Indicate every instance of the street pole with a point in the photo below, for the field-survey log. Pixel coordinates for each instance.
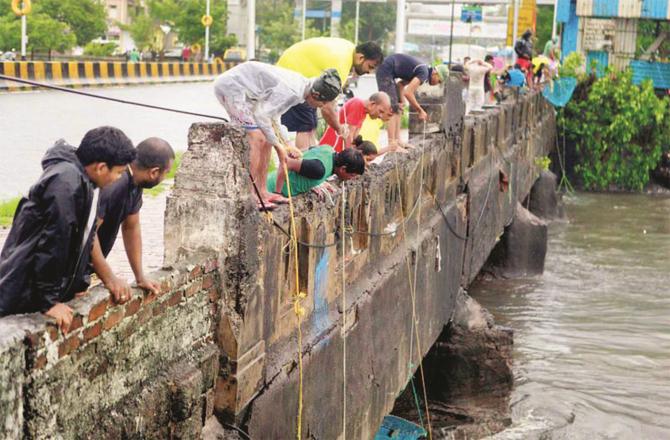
(207, 35)
(358, 14)
(553, 25)
(251, 29)
(335, 17)
(515, 32)
(451, 32)
(400, 27)
(24, 35)
(303, 19)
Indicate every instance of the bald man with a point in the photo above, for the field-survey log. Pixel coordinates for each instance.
(353, 114)
(119, 208)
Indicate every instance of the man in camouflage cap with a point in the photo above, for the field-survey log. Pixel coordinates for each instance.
(255, 95)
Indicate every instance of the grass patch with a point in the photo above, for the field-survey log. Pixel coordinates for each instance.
(169, 177)
(7, 209)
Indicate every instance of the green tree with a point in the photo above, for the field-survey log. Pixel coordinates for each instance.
(376, 21)
(142, 30)
(543, 26)
(619, 129)
(45, 33)
(184, 16)
(86, 18)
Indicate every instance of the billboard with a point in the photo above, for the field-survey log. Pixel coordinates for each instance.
(527, 19)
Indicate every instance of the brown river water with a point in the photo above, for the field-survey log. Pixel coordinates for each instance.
(592, 335)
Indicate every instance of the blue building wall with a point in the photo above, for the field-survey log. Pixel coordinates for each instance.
(605, 8)
(563, 11)
(570, 31)
(659, 73)
(656, 9)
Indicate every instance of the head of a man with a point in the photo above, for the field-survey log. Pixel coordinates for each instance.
(437, 74)
(325, 88)
(466, 60)
(105, 152)
(349, 163)
(379, 106)
(367, 57)
(488, 59)
(527, 35)
(154, 160)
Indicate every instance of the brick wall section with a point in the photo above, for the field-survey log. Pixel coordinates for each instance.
(70, 383)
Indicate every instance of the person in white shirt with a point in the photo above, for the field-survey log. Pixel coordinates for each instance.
(477, 70)
(255, 95)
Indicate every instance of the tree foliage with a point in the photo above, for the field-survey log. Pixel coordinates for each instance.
(86, 18)
(376, 21)
(620, 131)
(45, 33)
(184, 16)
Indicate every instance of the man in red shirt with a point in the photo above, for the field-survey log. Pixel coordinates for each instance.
(353, 114)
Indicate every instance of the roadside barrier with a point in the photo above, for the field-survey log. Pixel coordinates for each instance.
(104, 73)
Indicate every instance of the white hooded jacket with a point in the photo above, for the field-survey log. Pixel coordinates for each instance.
(270, 90)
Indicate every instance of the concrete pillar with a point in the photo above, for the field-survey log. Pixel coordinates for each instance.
(523, 247)
(212, 209)
(472, 358)
(543, 200)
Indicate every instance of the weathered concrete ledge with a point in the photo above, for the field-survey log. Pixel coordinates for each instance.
(222, 338)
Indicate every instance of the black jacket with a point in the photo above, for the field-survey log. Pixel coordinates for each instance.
(43, 262)
(524, 46)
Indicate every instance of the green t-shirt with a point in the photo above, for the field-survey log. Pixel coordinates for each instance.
(301, 184)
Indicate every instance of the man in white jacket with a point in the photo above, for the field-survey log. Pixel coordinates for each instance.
(255, 95)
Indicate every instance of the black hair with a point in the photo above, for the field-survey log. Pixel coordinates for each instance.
(367, 148)
(371, 51)
(488, 57)
(351, 159)
(154, 152)
(107, 145)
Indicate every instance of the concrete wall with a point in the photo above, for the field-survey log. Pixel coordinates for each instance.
(222, 338)
(104, 73)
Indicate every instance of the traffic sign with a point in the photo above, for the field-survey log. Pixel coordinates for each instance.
(471, 13)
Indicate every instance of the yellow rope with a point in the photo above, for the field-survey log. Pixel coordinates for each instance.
(412, 283)
(344, 322)
(297, 296)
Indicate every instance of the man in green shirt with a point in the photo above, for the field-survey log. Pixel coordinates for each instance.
(315, 166)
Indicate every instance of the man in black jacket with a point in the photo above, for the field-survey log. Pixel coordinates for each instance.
(45, 258)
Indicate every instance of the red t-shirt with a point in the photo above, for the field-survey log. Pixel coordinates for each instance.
(354, 109)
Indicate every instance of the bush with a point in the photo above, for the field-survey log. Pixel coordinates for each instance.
(619, 131)
(100, 49)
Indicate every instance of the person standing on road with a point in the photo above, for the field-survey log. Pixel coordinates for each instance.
(255, 95)
(310, 58)
(119, 208)
(44, 261)
(400, 76)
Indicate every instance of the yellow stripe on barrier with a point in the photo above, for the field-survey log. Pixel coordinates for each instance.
(196, 68)
(175, 69)
(40, 74)
(23, 70)
(154, 69)
(187, 69)
(165, 68)
(57, 71)
(88, 70)
(118, 71)
(205, 69)
(131, 70)
(9, 69)
(73, 70)
(143, 70)
(104, 70)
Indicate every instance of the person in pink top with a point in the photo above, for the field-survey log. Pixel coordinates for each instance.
(352, 116)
